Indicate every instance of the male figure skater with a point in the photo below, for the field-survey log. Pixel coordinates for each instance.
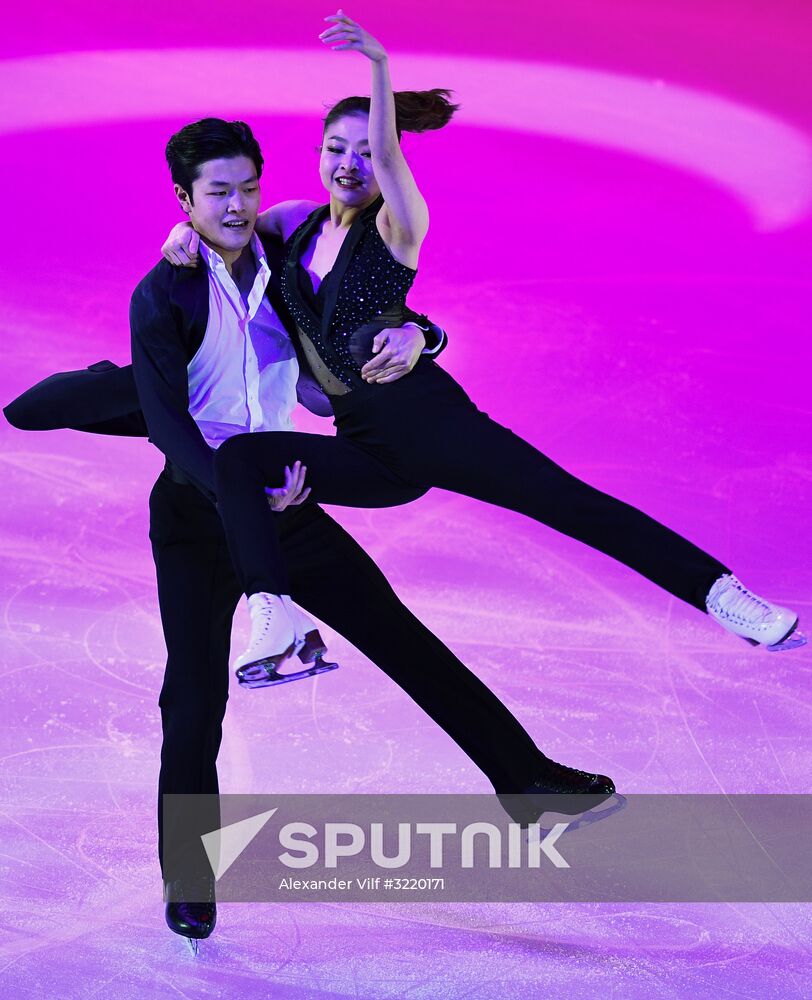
(211, 358)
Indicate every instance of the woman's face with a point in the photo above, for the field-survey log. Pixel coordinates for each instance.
(346, 162)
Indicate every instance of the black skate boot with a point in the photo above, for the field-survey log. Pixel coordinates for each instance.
(191, 910)
(559, 794)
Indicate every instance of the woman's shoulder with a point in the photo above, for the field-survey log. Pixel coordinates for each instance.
(291, 215)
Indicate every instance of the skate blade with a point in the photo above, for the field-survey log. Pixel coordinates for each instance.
(576, 821)
(260, 668)
(551, 808)
(793, 641)
(272, 677)
(194, 945)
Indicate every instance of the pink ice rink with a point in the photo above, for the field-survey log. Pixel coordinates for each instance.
(620, 252)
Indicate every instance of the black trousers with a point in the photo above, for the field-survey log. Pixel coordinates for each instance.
(334, 579)
(395, 441)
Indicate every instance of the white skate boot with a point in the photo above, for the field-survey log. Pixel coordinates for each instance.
(274, 638)
(754, 619)
(279, 631)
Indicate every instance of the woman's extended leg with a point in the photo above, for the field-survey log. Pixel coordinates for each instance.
(461, 450)
(471, 454)
(428, 433)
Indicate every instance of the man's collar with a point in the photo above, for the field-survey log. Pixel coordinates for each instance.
(215, 262)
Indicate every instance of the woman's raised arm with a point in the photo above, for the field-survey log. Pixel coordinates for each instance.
(405, 214)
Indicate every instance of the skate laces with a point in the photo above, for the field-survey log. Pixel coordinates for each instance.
(261, 609)
(729, 598)
(565, 769)
(267, 611)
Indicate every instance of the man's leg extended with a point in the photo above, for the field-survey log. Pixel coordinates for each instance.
(334, 579)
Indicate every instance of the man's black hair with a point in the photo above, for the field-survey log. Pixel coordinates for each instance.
(209, 139)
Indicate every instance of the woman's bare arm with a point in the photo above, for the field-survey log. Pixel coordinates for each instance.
(404, 219)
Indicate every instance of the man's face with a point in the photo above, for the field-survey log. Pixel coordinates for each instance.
(226, 203)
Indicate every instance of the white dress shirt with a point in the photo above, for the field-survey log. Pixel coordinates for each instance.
(243, 377)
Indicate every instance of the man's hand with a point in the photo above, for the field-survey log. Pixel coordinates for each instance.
(293, 492)
(180, 248)
(397, 353)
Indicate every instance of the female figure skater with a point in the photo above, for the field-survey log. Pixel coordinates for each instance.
(349, 264)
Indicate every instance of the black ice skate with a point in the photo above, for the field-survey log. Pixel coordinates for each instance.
(191, 910)
(561, 794)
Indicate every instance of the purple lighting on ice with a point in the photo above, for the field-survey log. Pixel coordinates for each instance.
(621, 251)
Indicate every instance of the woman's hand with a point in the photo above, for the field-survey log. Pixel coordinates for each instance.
(180, 248)
(293, 492)
(397, 352)
(351, 35)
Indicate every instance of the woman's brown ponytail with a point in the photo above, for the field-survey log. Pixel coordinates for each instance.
(415, 110)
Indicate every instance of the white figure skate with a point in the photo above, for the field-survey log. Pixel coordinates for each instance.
(279, 631)
(751, 617)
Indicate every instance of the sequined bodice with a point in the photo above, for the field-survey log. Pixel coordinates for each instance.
(365, 283)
